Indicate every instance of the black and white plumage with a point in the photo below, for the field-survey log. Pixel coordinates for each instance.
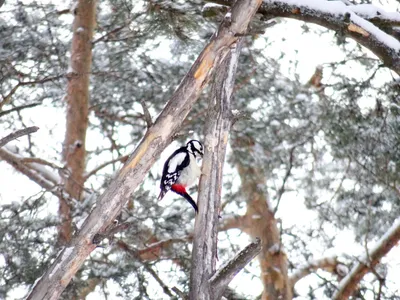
(181, 171)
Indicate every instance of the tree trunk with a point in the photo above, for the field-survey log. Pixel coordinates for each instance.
(74, 152)
(260, 222)
(204, 251)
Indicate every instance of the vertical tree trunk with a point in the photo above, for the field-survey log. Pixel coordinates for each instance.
(74, 152)
(260, 222)
(216, 138)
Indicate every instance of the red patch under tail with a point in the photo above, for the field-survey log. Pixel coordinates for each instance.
(178, 188)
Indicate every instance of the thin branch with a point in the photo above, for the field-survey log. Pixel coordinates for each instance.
(40, 161)
(220, 280)
(146, 113)
(17, 134)
(149, 269)
(7, 98)
(179, 293)
(17, 164)
(327, 264)
(163, 244)
(18, 108)
(382, 247)
(287, 175)
(94, 171)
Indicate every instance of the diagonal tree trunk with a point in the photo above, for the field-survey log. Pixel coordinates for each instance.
(74, 152)
(260, 222)
(159, 135)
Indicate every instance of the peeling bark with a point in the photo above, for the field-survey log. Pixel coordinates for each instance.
(110, 203)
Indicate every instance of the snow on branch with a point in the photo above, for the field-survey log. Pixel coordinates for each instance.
(366, 24)
(329, 264)
(368, 262)
(45, 180)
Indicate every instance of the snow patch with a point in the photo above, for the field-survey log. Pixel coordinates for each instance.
(212, 5)
(275, 248)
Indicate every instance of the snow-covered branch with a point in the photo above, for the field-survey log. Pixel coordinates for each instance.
(329, 264)
(366, 24)
(38, 174)
(368, 262)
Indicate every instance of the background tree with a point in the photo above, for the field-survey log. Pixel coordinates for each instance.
(330, 143)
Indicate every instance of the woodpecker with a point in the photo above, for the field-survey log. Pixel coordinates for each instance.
(181, 170)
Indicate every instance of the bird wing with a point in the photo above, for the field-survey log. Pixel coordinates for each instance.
(173, 168)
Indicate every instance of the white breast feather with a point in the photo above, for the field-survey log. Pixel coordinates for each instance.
(190, 174)
(176, 161)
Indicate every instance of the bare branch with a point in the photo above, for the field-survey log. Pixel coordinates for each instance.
(149, 269)
(179, 293)
(146, 113)
(383, 246)
(17, 134)
(287, 175)
(7, 98)
(94, 171)
(220, 280)
(18, 108)
(40, 161)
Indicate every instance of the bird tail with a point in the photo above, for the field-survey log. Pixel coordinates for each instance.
(181, 190)
(191, 201)
(162, 194)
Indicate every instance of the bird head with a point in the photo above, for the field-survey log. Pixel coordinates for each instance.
(195, 147)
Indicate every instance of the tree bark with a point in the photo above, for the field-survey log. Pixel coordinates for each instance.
(110, 203)
(260, 222)
(74, 152)
(219, 118)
